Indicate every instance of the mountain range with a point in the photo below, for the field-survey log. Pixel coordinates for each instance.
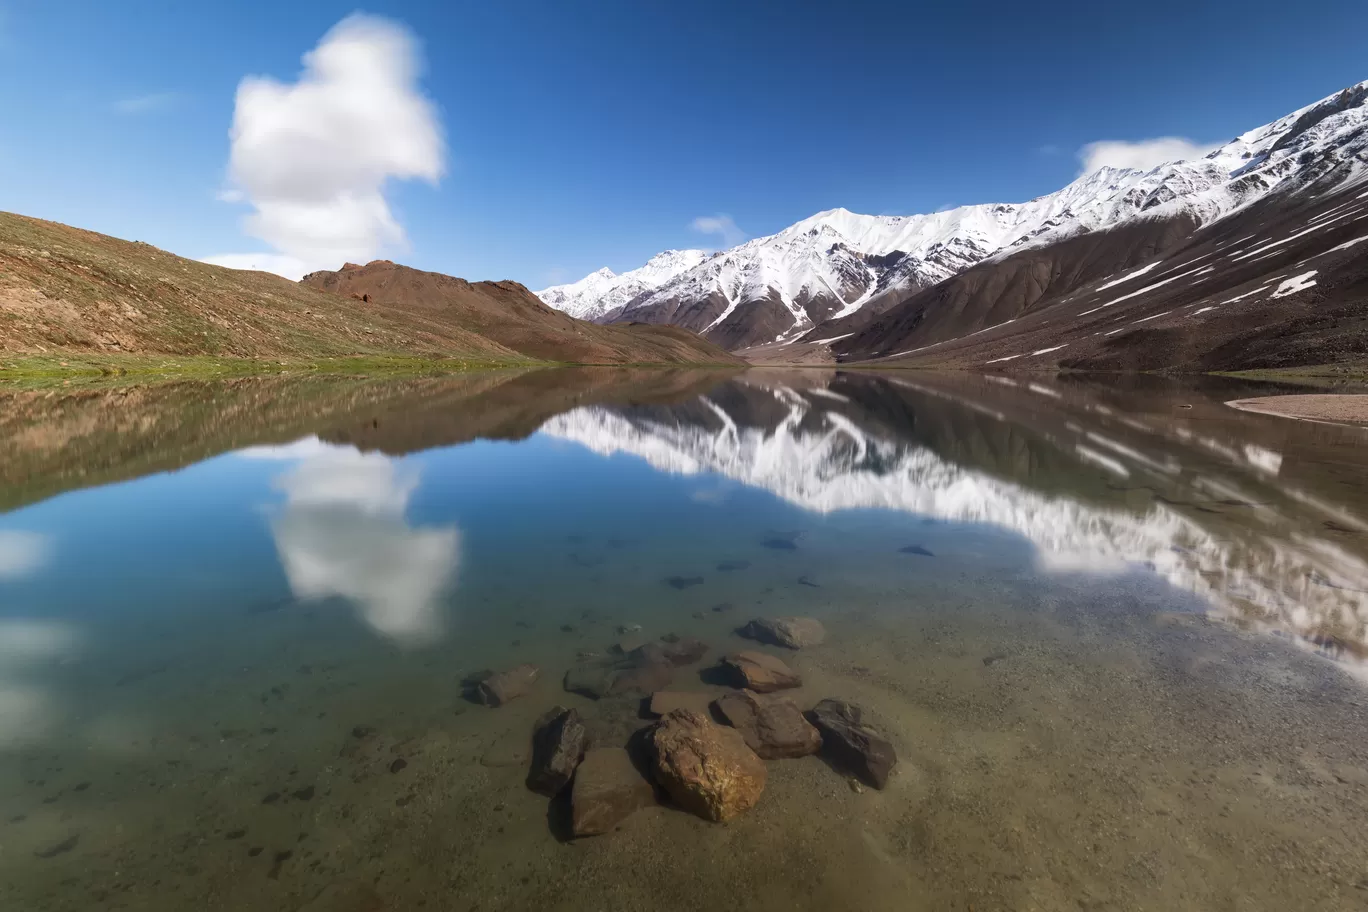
(861, 287)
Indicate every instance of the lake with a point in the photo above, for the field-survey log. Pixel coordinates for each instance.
(1114, 629)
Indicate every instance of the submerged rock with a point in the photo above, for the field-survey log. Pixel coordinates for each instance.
(676, 651)
(684, 582)
(642, 677)
(851, 744)
(607, 789)
(626, 645)
(760, 672)
(498, 689)
(664, 702)
(558, 743)
(706, 769)
(793, 632)
(591, 681)
(773, 727)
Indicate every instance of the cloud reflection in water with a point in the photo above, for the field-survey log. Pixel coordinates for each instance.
(342, 533)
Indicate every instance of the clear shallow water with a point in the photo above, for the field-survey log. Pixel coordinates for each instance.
(1128, 675)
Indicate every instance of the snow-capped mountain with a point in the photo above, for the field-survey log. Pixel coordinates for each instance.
(601, 294)
(837, 263)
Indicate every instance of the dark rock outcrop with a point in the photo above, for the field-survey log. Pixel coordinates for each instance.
(851, 744)
(558, 743)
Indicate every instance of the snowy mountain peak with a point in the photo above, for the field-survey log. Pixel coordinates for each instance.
(833, 263)
(600, 294)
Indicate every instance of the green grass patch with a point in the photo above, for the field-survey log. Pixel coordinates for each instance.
(1320, 376)
(35, 372)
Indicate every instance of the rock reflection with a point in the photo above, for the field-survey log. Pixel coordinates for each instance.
(342, 532)
(1098, 481)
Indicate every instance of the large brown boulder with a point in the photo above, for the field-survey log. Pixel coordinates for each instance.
(773, 727)
(607, 789)
(707, 769)
(498, 689)
(558, 743)
(760, 672)
(851, 744)
(793, 632)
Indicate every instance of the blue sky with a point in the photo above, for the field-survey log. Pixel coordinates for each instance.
(575, 134)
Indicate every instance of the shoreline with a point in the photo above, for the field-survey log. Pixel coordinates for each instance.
(1327, 408)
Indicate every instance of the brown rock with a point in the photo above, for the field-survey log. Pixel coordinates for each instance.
(607, 789)
(645, 678)
(558, 743)
(706, 768)
(793, 632)
(773, 727)
(685, 650)
(591, 680)
(851, 744)
(498, 689)
(665, 702)
(677, 651)
(760, 672)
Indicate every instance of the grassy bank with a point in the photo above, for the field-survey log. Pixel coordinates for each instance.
(32, 372)
(1321, 376)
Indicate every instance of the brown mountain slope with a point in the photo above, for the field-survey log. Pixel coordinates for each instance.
(513, 317)
(66, 291)
(63, 289)
(1282, 284)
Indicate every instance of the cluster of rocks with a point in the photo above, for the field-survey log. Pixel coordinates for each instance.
(689, 756)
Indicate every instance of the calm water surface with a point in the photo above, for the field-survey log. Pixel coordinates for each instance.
(1116, 633)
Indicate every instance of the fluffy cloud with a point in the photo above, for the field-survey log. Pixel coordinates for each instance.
(1142, 155)
(720, 225)
(290, 267)
(313, 157)
(342, 533)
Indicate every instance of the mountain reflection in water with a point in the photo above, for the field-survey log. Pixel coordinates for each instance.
(1099, 480)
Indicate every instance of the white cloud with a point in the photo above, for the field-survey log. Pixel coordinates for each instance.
(721, 225)
(313, 157)
(343, 534)
(1141, 155)
(147, 104)
(23, 553)
(290, 267)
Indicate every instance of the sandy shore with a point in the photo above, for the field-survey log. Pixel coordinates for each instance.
(1339, 408)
